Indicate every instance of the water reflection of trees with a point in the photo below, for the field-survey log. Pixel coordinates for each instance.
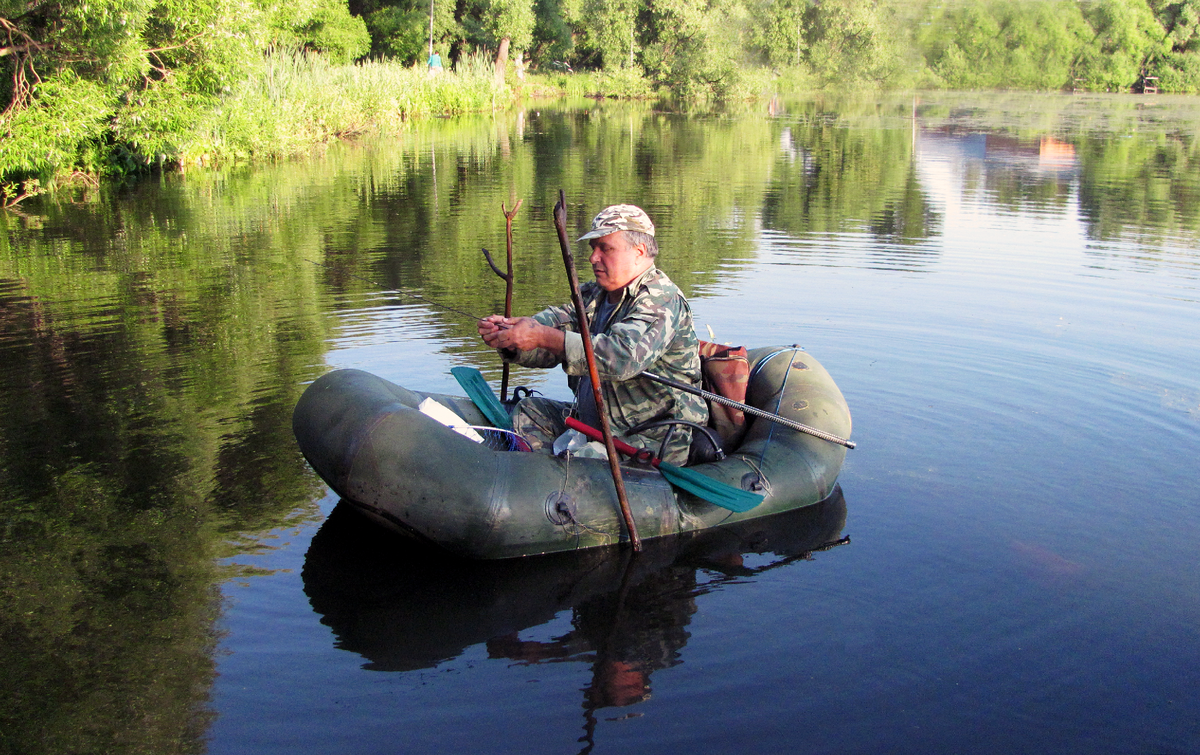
(1131, 160)
(834, 178)
(425, 205)
(151, 349)
(155, 340)
(691, 175)
(406, 608)
(1141, 188)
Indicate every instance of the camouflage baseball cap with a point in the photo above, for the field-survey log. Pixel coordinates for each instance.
(619, 217)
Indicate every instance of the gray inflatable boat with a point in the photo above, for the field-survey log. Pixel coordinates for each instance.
(365, 437)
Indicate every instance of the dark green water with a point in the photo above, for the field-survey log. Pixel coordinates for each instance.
(1007, 292)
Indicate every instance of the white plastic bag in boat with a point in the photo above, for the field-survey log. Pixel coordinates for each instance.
(577, 444)
(433, 409)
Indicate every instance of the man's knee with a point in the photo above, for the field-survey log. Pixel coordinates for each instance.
(540, 420)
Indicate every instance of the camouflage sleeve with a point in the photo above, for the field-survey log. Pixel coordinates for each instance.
(560, 317)
(632, 344)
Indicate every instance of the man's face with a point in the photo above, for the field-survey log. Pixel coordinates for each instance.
(616, 262)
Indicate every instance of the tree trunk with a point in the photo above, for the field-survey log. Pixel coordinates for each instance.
(501, 61)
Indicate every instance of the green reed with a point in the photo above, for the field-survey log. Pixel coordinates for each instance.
(295, 102)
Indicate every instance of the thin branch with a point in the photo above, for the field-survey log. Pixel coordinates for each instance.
(506, 277)
(168, 48)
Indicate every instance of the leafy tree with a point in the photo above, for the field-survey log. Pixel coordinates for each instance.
(851, 41)
(612, 32)
(77, 63)
(780, 31)
(1179, 68)
(553, 32)
(96, 83)
(1005, 44)
(399, 33)
(1181, 20)
(401, 30)
(692, 46)
(1127, 38)
(322, 25)
(499, 25)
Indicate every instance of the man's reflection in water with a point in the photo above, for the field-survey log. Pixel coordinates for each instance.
(404, 607)
(626, 635)
(630, 633)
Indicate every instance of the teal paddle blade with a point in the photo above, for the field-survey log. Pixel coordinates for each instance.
(715, 492)
(482, 395)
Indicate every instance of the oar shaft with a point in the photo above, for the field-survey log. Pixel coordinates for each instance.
(750, 410)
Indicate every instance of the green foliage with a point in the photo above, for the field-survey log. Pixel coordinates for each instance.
(331, 29)
(780, 31)
(694, 46)
(63, 115)
(298, 101)
(609, 33)
(1128, 37)
(400, 30)
(553, 34)
(399, 34)
(486, 22)
(1008, 43)
(510, 19)
(126, 85)
(1182, 23)
(1179, 72)
(851, 41)
(14, 193)
(622, 83)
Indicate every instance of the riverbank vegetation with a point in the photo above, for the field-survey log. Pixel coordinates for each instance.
(121, 86)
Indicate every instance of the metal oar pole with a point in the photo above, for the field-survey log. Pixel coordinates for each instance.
(614, 462)
(750, 410)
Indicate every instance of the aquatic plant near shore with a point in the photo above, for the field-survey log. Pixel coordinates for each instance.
(296, 102)
(287, 104)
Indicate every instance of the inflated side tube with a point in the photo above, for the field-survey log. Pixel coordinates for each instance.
(364, 436)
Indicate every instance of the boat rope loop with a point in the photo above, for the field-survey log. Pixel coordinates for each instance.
(783, 385)
(759, 482)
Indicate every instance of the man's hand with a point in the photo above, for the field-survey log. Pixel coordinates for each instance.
(520, 333)
(490, 326)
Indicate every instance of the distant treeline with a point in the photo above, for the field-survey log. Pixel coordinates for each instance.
(121, 85)
(701, 47)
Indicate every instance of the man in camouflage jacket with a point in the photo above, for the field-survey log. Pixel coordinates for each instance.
(640, 322)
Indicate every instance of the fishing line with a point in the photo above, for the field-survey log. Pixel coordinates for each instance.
(400, 292)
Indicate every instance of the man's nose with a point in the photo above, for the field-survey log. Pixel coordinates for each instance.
(594, 257)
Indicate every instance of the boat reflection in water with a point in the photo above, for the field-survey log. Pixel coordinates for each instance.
(405, 607)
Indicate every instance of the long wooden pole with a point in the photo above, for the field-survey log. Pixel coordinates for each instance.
(430, 30)
(614, 463)
(508, 279)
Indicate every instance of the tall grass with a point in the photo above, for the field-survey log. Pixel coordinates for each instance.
(296, 101)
